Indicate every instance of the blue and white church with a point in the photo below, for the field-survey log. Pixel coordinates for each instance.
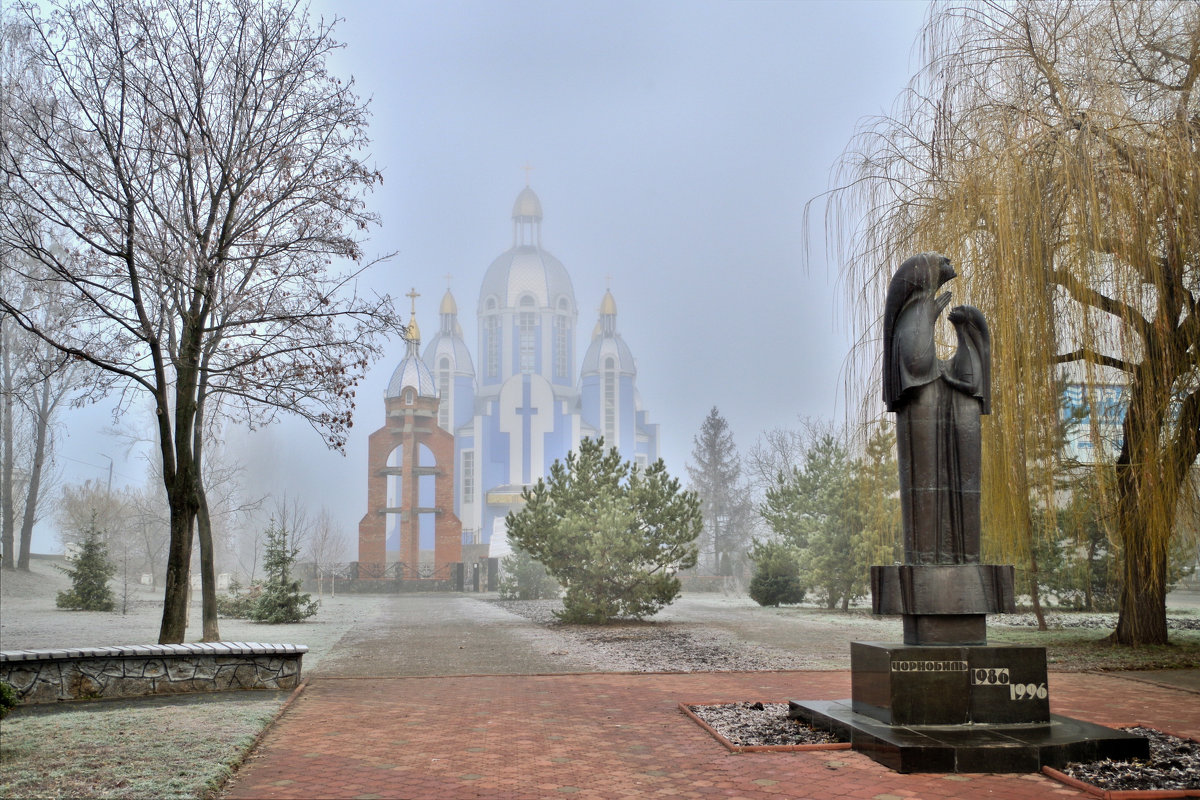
(526, 398)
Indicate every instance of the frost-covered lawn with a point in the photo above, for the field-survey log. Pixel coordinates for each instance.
(179, 747)
(153, 747)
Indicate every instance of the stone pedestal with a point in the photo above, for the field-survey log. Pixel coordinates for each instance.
(943, 603)
(901, 684)
(971, 748)
(959, 709)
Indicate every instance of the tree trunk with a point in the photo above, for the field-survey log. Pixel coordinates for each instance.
(181, 486)
(1149, 474)
(1034, 594)
(7, 455)
(179, 558)
(41, 432)
(208, 571)
(1142, 619)
(208, 575)
(1089, 600)
(1143, 616)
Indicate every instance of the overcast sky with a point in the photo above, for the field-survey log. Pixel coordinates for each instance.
(673, 145)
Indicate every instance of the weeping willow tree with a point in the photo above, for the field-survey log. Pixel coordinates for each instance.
(1052, 151)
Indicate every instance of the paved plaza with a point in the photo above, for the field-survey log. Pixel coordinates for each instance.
(404, 709)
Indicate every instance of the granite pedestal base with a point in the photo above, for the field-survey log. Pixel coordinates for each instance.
(900, 684)
(971, 748)
(960, 708)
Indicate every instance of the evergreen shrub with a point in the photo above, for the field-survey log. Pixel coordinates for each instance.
(776, 578)
(525, 578)
(281, 600)
(90, 571)
(8, 699)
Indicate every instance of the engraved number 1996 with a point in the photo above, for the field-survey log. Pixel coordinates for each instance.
(1027, 691)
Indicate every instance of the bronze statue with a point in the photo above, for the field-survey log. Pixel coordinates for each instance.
(938, 405)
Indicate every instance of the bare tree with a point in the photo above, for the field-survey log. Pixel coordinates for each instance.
(201, 168)
(1050, 150)
(290, 513)
(326, 546)
(36, 380)
(776, 451)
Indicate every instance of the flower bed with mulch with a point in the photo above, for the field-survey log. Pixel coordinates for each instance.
(1173, 769)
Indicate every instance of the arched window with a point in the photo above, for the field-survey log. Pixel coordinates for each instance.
(527, 330)
(610, 402)
(491, 338)
(562, 339)
(408, 397)
(444, 391)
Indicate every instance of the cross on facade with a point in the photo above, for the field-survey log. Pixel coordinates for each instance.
(527, 411)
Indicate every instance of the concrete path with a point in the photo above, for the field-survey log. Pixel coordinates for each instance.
(445, 634)
(442, 696)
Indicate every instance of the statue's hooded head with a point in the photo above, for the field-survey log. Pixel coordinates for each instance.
(914, 282)
(972, 362)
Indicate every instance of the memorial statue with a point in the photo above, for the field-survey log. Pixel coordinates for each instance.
(937, 405)
(944, 700)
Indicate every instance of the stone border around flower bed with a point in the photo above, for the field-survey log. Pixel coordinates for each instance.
(1124, 794)
(85, 673)
(758, 748)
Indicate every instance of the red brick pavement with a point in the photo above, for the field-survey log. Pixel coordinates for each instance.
(614, 736)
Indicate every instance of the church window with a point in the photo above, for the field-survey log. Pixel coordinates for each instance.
(492, 343)
(527, 326)
(444, 391)
(562, 344)
(468, 476)
(610, 402)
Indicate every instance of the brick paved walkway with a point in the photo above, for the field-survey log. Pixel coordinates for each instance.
(612, 736)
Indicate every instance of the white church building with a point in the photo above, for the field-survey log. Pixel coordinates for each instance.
(526, 397)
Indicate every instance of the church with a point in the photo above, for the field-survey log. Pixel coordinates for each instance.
(505, 414)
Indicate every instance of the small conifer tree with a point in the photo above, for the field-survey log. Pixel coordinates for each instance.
(776, 574)
(281, 599)
(89, 573)
(525, 578)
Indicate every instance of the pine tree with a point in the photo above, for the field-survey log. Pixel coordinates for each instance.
(715, 471)
(610, 533)
(840, 512)
(281, 599)
(89, 573)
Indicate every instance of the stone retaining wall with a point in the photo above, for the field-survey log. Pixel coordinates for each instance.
(49, 676)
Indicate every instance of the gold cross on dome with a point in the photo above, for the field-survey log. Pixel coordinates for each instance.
(528, 168)
(413, 295)
(447, 276)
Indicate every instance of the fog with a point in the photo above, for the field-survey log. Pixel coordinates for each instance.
(673, 145)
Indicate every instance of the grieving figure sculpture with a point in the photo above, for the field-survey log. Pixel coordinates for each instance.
(938, 405)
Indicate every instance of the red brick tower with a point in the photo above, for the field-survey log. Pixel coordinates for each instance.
(410, 477)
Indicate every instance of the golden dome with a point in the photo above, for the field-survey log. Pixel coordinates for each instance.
(608, 305)
(448, 304)
(414, 332)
